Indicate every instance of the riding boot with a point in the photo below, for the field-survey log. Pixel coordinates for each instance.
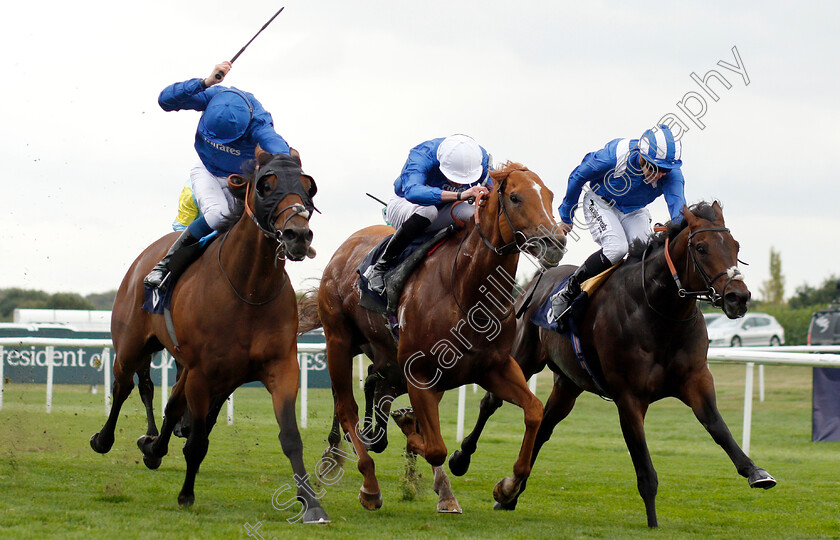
(407, 232)
(161, 271)
(594, 265)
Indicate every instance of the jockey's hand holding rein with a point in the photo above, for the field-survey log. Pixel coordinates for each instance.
(222, 68)
(475, 191)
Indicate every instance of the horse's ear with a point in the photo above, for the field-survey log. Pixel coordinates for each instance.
(313, 187)
(259, 152)
(718, 211)
(295, 155)
(690, 218)
(237, 184)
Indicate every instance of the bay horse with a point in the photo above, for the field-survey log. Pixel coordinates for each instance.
(644, 339)
(234, 321)
(455, 325)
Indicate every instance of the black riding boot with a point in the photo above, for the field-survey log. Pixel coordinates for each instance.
(594, 265)
(162, 269)
(407, 232)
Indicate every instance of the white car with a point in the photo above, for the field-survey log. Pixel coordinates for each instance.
(712, 316)
(751, 329)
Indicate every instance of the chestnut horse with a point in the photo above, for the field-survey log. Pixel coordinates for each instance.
(453, 328)
(644, 339)
(234, 317)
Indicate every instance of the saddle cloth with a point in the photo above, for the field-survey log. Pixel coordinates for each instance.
(396, 277)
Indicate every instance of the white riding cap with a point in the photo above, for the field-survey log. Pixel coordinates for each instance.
(460, 159)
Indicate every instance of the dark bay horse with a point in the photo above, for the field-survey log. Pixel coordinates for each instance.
(645, 340)
(455, 323)
(235, 321)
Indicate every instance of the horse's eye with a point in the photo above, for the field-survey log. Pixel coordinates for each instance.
(514, 198)
(701, 249)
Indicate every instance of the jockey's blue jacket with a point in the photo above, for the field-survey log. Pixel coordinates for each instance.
(224, 159)
(421, 181)
(614, 173)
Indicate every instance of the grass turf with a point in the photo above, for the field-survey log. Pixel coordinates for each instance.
(583, 486)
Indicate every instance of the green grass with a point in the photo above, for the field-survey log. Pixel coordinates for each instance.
(583, 486)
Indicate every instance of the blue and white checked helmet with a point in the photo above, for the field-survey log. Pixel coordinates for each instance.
(658, 146)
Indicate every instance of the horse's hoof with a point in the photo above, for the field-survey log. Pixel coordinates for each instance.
(143, 443)
(449, 506)
(315, 515)
(185, 500)
(380, 445)
(99, 445)
(509, 506)
(151, 462)
(459, 463)
(760, 478)
(505, 491)
(370, 501)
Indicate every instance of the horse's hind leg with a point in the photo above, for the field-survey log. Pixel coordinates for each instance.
(147, 395)
(558, 406)
(699, 394)
(631, 414)
(154, 448)
(124, 369)
(283, 385)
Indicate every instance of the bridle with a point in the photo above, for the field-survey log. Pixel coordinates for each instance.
(512, 246)
(263, 216)
(508, 248)
(710, 294)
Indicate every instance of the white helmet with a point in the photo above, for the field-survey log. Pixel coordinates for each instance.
(460, 159)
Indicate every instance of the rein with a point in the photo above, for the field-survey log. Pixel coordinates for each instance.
(508, 248)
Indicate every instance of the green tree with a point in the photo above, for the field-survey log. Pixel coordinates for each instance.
(807, 296)
(773, 290)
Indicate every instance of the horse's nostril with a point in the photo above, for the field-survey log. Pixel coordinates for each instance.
(290, 235)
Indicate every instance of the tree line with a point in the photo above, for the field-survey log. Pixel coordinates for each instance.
(35, 299)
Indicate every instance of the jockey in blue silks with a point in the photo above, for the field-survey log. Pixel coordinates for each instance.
(231, 126)
(436, 174)
(623, 178)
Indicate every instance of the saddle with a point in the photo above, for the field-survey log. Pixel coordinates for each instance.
(396, 277)
(156, 301)
(569, 326)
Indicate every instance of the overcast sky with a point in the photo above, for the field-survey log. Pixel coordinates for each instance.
(92, 167)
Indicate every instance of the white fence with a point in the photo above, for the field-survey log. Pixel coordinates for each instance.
(804, 355)
(304, 349)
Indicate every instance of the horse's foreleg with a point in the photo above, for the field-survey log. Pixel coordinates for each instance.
(424, 438)
(123, 384)
(198, 403)
(283, 385)
(558, 406)
(340, 365)
(631, 413)
(508, 383)
(459, 461)
(147, 395)
(699, 394)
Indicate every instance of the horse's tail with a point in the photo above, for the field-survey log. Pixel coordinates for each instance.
(308, 318)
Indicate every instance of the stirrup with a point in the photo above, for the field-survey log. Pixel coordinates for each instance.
(558, 301)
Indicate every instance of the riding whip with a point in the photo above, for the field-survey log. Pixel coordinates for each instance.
(219, 75)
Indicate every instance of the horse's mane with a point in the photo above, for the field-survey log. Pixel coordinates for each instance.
(638, 248)
(505, 170)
